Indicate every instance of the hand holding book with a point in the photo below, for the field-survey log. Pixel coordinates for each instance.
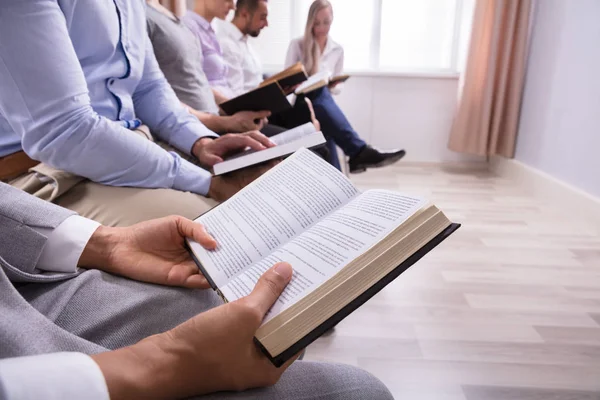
(344, 245)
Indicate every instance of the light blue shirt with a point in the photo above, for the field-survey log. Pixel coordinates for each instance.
(74, 76)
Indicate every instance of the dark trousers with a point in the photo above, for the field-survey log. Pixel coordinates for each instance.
(335, 126)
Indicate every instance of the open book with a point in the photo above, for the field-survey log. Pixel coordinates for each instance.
(303, 136)
(344, 246)
(289, 77)
(319, 80)
(265, 98)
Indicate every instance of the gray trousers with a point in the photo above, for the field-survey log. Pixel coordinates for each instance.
(111, 312)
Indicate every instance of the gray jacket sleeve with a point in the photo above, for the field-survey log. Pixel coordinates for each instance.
(20, 244)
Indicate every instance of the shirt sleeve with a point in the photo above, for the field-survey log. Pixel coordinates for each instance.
(49, 107)
(158, 106)
(54, 376)
(339, 65)
(65, 244)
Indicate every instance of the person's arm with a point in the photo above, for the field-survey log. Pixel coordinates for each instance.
(157, 105)
(45, 100)
(52, 376)
(337, 70)
(220, 98)
(240, 122)
(218, 344)
(294, 54)
(42, 242)
(339, 65)
(234, 61)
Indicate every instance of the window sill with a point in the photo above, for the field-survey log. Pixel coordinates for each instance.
(369, 73)
(404, 74)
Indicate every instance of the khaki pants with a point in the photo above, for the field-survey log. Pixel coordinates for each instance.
(110, 205)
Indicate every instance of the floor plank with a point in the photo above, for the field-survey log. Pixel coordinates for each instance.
(507, 308)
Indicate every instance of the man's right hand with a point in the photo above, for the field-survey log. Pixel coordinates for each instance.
(214, 351)
(245, 121)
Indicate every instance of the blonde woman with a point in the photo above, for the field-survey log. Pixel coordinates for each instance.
(316, 49)
(319, 53)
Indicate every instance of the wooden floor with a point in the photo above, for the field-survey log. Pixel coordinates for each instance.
(507, 308)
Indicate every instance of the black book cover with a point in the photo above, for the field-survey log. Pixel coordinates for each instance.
(266, 98)
(300, 345)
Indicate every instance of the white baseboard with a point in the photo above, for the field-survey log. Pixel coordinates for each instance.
(547, 187)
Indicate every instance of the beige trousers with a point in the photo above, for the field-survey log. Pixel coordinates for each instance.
(110, 205)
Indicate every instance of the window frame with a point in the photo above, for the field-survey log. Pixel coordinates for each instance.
(374, 69)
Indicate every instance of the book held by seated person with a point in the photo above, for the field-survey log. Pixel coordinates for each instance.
(343, 245)
(265, 98)
(289, 77)
(303, 136)
(319, 80)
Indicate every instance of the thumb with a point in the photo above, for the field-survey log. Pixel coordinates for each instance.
(210, 160)
(269, 287)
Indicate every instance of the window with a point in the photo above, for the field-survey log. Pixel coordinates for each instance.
(378, 35)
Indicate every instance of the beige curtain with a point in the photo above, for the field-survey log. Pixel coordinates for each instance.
(487, 118)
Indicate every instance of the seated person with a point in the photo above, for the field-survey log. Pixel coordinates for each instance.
(245, 72)
(216, 69)
(101, 332)
(179, 57)
(77, 81)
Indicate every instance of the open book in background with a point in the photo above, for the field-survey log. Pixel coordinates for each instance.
(289, 77)
(319, 80)
(344, 246)
(265, 98)
(303, 136)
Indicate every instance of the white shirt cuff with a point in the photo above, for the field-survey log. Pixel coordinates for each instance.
(54, 376)
(65, 244)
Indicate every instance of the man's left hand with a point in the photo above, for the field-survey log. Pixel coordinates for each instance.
(212, 151)
(152, 251)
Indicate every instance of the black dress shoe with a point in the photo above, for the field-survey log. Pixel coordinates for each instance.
(373, 158)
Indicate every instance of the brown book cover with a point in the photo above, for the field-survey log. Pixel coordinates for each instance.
(289, 77)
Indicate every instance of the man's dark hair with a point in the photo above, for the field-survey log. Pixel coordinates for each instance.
(250, 5)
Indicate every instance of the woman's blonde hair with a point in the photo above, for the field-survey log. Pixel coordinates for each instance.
(310, 48)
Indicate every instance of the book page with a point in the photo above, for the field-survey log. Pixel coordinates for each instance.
(281, 138)
(331, 244)
(270, 212)
(283, 149)
(293, 134)
(317, 78)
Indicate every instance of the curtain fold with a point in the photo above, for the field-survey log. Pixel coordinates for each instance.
(487, 118)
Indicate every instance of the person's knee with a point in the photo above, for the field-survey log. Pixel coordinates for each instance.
(125, 206)
(364, 385)
(331, 382)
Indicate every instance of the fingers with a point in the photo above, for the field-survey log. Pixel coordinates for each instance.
(231, 142)
(262, 139)
(195, 231)
(211, 159)
(197, 281)
(269, 287)
(187, 275)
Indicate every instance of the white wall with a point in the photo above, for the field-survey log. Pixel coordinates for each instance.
(410, 112)
(560, 123)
